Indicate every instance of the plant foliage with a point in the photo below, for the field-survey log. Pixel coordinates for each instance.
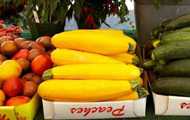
(88, 13)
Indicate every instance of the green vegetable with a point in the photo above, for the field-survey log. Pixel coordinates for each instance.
(186, 29)
(178, 68)
(170, 25)
(172, 51)
(177, 86)
(149, 64)
(175, 37)
(179, 22)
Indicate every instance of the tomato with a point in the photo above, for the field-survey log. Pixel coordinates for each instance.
(41, 63)
(23, 53)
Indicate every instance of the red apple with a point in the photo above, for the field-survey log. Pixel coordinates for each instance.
(13, 87)
(18, 100)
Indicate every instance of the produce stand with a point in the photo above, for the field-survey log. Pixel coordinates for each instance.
(95, 71)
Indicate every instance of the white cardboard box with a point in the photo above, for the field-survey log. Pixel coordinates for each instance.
(171, 105)
(94, 110)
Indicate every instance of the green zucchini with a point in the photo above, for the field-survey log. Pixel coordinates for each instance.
(179, 22)
(178, 68)
(185, 29)
(172, 51)
(176, 86)
(175, 37)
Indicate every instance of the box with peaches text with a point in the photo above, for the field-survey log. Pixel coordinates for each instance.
(94, 110)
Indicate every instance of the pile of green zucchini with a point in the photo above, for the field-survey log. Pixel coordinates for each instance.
(170, 58)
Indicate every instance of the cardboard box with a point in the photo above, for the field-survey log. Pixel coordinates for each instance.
(171, 105)
(22, 112)
(94, 110)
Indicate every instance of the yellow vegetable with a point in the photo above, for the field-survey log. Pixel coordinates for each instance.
(127, 58)
(102, 31)
(95, 42)
(132, 96)
(113, 32)
(83, 90)
(93, 71)
(67, 56)
(9, 69)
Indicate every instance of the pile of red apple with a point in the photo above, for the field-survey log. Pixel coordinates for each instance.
(34, 59)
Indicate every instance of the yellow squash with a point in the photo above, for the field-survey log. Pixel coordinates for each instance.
(68, 56)
(95, 42)
(127, 58)
(83, 90)
(93, 71)
(119, 33)
(112, 32)
(132, 96)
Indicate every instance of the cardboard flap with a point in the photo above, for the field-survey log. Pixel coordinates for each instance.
(171, 105)
(48, 108)
(138, 111)
(161, 103)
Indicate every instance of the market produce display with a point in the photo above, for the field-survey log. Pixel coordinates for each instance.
(22, 64)
(92, 67)
(171, 58)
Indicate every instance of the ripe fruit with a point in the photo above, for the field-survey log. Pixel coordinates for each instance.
(1, 103)
(41, 63)
(18, 100)
(5, 38)
(29, 88)
(8, 48)
(13, 87)
(9, 69)
(34, 53)
(45, 41)
(2, 97)
(35, 45)
(23, 53)
(37, 79)
(32, 77)
(28, 76)
(18, 41)
(2, 58)
(24, 45)
(24, 63)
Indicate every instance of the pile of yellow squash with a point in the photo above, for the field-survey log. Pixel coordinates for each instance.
(92, 66)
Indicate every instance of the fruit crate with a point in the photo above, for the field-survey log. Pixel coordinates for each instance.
(171, 105)
(22, 112)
